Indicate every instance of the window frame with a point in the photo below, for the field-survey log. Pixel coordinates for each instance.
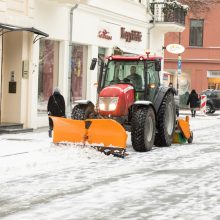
(195, 38)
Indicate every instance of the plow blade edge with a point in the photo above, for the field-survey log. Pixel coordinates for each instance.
(103, 133)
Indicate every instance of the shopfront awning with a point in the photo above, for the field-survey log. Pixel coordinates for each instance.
(9, 28)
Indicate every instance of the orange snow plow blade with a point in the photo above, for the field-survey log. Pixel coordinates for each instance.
(106, 135)
(182, 133)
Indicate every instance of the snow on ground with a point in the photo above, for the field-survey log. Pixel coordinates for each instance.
(42, 181)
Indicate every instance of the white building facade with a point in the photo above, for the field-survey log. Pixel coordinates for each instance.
(78, 31)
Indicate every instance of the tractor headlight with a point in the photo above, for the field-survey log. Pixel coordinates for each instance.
(108, 103)
(101, 104)
(113, 104)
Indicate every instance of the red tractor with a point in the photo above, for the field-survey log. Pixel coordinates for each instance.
(130, 98)
(130, 93)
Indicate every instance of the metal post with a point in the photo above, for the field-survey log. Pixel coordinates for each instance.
(178, 72)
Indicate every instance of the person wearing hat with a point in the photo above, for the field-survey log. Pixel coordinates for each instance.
(55, 107)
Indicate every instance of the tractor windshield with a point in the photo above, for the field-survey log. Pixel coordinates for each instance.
(125, 72)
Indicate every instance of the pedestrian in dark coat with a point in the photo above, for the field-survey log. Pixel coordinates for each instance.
(193, 102)
(55, 107)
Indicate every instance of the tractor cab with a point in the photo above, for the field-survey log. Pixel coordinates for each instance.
(140, 72)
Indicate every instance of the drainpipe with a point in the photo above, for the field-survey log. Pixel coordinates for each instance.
(69, 101)
(150, 28)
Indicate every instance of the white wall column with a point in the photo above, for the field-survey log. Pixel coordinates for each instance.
(92, 80)
(63, 69)
(33, 100)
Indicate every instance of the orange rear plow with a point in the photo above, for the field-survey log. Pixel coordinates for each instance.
(106, 135)
(182, 133)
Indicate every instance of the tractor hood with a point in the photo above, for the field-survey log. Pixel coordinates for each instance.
(115, 100)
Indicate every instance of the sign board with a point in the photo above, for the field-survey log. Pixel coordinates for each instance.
(175, 48)
(25, 68)
(179, 66)
(12, 87)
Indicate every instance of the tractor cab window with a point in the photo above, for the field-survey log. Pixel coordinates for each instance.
(152, 75)
(123, 72)
(153, 80)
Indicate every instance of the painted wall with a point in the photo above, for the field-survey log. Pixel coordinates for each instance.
(12, 52)
(196, 61)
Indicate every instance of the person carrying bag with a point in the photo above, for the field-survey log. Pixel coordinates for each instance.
(193, 102)
(55, 107)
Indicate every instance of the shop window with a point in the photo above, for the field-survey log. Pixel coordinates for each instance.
(48, 72)
(212, 85)
(196, 32)
(78, 75)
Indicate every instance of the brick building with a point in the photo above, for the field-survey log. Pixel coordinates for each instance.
(200, 67)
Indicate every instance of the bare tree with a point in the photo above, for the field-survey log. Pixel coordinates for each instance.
(199, 6)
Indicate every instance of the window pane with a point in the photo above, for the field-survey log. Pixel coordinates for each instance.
(48, 72)
(196, 32)
(79, 54)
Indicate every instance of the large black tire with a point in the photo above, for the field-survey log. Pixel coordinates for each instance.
(208, 108)
(166, 121)
(213, 111)
(82, 112)
(143, 127)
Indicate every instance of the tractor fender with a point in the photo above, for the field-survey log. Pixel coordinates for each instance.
(160, 95)
(83, 102)
(82, 109)
(143, 103)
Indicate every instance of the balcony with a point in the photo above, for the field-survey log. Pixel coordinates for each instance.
(169, 16)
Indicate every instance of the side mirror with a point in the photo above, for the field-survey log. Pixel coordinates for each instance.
(157, 65)
(93, 64)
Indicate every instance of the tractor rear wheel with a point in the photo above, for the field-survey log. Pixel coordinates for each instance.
(82, 112)
(143, 126)
(166, 121)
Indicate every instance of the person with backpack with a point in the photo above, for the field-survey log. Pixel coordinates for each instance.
(55, 107)
(193, 102)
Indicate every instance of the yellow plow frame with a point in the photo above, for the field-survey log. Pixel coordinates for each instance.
(106, 135)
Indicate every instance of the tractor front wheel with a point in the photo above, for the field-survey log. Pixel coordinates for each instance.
(143, 126)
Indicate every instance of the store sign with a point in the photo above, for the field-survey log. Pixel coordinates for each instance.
(213, 74)
(131, 35)
(175, 48)
(104, 34)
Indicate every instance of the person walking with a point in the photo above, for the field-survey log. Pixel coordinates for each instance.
(193, 101)
(55, 107)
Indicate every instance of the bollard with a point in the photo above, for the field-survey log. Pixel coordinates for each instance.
(203, 104)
